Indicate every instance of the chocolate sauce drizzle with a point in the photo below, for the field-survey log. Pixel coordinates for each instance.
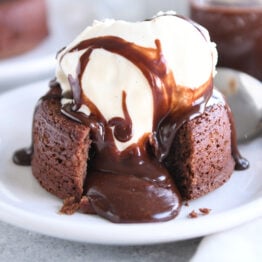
(122, 126)
(23, 157)
(137, 174)
(171, 108)
(134, 185)
(240, 162)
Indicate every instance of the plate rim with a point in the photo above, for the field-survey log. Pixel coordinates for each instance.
(152, 233)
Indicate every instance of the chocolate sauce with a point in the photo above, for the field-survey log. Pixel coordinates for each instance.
(171, 108)
(122, 126)
(237, 31)
(132, 186)
(137, 174)
(23, 157)
(240, 162)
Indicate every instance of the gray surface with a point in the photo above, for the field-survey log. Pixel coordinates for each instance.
(20, 245)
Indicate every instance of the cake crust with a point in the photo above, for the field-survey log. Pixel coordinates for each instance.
(201, 159)
(60, 149)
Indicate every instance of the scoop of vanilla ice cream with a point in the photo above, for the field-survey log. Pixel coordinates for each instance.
(187, 51)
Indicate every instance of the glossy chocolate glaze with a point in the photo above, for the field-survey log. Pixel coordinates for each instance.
(241, 163)
(173, 104)
(23, 157)
(237, 31)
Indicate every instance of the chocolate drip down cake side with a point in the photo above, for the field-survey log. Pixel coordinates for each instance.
(131, 125)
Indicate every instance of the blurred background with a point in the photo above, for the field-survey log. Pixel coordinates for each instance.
(65, 20)
(75, 15)
(237, 32)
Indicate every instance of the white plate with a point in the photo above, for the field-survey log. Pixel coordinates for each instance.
(25, 204)
(36, 64)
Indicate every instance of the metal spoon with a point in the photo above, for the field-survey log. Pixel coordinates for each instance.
(244, 96)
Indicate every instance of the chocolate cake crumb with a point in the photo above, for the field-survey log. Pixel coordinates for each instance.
(186, 204)
(193, 214)
(70, 206)
(205, 211)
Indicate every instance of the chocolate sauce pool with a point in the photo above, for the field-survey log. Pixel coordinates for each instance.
(134, 185)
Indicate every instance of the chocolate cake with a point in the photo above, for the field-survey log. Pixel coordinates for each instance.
(93, 148)
(201, 157)
(23, 25)
(60, 149)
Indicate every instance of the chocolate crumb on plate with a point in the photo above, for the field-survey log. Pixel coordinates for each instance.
(193, 214)
(205, 211)
(70, 206)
